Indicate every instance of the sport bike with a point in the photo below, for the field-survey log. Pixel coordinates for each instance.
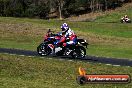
(48, 46)
(125, 20)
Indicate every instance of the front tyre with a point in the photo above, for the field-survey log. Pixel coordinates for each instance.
(79, 52)
(121, 21)
(43, 50)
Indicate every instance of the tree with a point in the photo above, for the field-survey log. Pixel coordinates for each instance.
(60, 6)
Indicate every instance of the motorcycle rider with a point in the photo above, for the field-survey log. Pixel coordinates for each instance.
(67, 33)
(125, 18)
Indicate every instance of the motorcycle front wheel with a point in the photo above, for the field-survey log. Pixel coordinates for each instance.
(43, 50)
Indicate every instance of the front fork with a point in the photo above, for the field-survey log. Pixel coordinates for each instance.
(51, 46)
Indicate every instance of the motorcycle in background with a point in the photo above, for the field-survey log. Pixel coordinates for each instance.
(125, 20)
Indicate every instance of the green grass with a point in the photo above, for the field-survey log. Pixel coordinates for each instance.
(35, 72)
(117, 51)
(111, 29)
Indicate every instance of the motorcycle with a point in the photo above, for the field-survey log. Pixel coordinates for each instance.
(48, 46)
(125, 20)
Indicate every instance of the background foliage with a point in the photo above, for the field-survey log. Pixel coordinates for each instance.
(50, 8)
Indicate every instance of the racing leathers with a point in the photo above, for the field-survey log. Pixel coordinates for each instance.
(72, 38)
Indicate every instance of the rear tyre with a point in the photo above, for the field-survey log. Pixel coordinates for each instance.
(43, 50)
(121, 21)
(79, 52)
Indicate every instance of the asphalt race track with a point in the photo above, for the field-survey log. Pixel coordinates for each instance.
(108, 61)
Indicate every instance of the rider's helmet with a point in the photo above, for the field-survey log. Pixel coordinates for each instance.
(64, 27)
(125, 16)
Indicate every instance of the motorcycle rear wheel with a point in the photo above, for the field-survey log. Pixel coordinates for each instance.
(79, 52)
